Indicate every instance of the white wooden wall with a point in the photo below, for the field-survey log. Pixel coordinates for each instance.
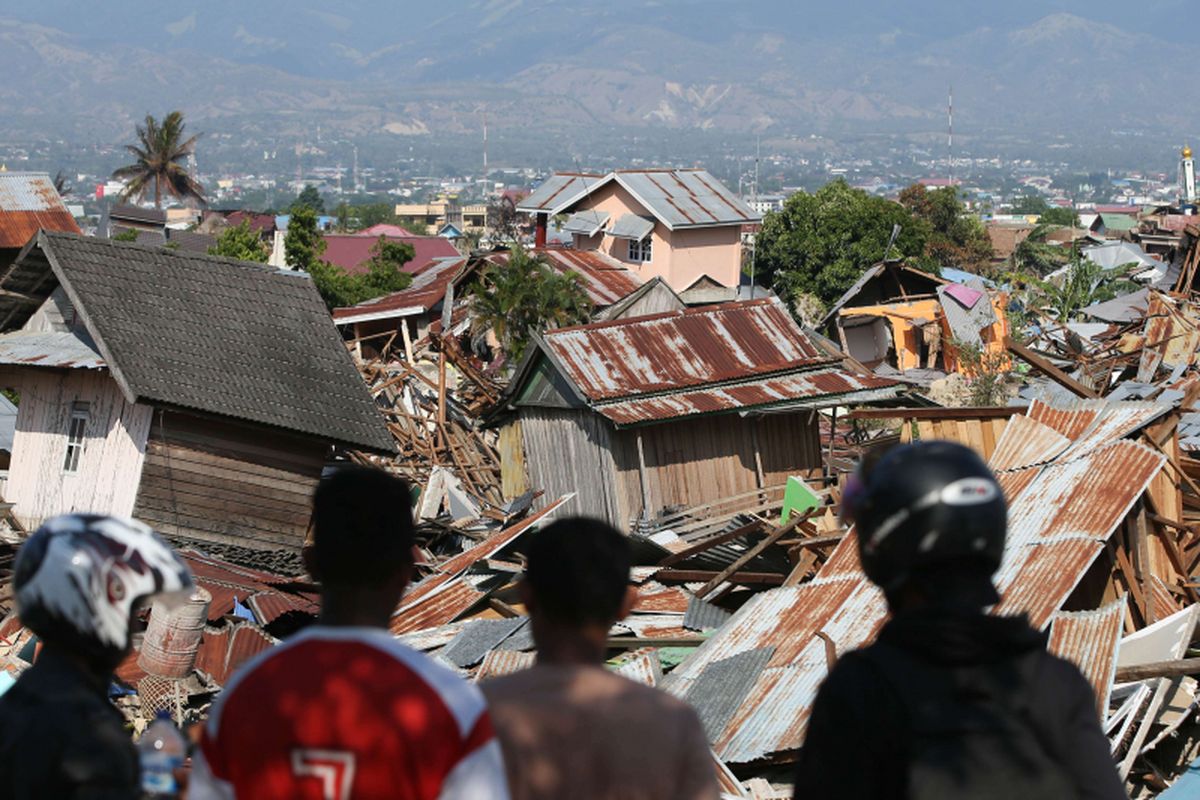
(114, 449)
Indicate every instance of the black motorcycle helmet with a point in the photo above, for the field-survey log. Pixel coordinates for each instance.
(929, 508)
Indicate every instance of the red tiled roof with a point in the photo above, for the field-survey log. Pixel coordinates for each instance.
(352, 251)
(258, 222)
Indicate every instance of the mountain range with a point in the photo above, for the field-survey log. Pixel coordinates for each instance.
(769, 66)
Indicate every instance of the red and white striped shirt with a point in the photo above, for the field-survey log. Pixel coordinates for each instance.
(347, 714)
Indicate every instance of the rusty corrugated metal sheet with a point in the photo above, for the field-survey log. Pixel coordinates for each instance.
(642, 666)
(426, 291)
(1070, 419)
(654, 597)
(438, 608)
(605, 279)
(28, 203)
(1026, 442)
(679, 349)
(270, 606)
(214, 648)
(245, 643)
(1041, 575)
(48, 349)
(780, 391)
(1089, 640)
(504, 662)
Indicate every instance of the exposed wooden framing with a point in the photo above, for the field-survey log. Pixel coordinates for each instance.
(407, 339)
(746, 557)
(643, 478)
(1129, 576)
(1159, 669)
(1141, 551)
(1051, 371)
(708, 544)
(937, 413)
(637, 642)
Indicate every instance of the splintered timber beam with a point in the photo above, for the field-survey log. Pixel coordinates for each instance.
(1158, 669)
(1051, 371)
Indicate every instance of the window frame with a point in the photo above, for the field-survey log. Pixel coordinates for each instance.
(76, 436)
(640, 251)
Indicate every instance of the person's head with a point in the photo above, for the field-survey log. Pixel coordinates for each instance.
(931, 521)
(80, 578)
(362, 535)
(577, 578)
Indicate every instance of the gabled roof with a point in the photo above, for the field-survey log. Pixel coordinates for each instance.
(426, 291)
(202, 333)
(149, 216)
(725, 358)
(29, 202)
(926, 281)
(351, 251)
(678, 198)
(605, 279)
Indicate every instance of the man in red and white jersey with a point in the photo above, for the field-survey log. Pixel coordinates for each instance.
(342, 711)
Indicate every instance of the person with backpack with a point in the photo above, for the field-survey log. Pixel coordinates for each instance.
(949, 701)
(78, 580)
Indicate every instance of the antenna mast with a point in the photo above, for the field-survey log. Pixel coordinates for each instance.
(950, 134)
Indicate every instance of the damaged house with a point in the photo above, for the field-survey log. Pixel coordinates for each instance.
(200, 394)
(673, 409)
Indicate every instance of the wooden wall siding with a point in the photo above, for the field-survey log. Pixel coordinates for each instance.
(980, 435)
(694, 461)
(113, 451)
(571, 451)
(227, 483)
(513, 475)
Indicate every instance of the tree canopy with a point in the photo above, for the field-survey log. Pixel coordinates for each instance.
(1060, 216)
(385, 269)
(1030, 204)
(303, 245)
(956, 238)
(160, 159)
(241, 242)
(526, 294)
(309, 198)
(820, 243)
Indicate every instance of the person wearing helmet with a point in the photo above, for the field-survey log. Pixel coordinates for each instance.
(948, 701)
(78, 580)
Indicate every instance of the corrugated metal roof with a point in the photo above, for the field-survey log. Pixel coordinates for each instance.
(679, 198)
(270, 606)
(631, 226)
(586, 223)
(437, 609)
(799, 390)
(678, 349)
(722, 686)
(605, 279)
(493, 544)
(655, 598)
(28, 203)
(245, 643)
(1089, 640)
(1026, 442)
(426, 291)
(504, 662)
(643, 666)
(702, 616)
(61, 349)
(965, 323)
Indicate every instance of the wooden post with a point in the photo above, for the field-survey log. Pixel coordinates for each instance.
(1141, 548)
(408, 347)
(1051, 371)
(643, 478)
(441, 407)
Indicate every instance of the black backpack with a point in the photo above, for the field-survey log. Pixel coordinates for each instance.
(971, 734)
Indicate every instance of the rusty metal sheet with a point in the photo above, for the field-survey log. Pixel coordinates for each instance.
(438, 608)
(558, 191)
(432, 638)
(1070, 419)
(605, 279)
(833, 386)
(245, 643)
(58, 349)
(1026, 442)
(680, 349)
(214, 648)
(504, 662)
(643, 666)
(426, 291)
(28, 203)
(653, 597)
(270, 606)
(1089, 640)
(1038, 577)
(686, 198)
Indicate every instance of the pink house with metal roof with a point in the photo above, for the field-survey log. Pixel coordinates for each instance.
(681, 225)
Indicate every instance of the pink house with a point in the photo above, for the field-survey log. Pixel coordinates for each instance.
(681, 225)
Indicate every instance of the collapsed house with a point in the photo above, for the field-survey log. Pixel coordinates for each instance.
(200, 394)
(640, 415)
(910, 324)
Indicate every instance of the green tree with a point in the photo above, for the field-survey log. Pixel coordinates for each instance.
(1036, 256)
(125, 235)
(368, 214)
(821, 243)
(310, 198)
(956, 238)
(1065, 217)
(384, 275)
(1083, 282)
(241, 242)
(523, 295)
(303, 245)
(160, 158)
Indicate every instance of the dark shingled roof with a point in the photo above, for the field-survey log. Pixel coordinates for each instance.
(210, 334)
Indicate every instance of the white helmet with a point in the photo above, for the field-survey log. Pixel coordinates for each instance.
(79, 577)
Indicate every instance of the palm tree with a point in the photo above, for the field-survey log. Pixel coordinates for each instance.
(161, 153)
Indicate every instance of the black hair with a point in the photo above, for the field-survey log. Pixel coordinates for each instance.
(362, 526)
(578, 570)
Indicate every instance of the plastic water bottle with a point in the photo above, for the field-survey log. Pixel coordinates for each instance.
(161, 750)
